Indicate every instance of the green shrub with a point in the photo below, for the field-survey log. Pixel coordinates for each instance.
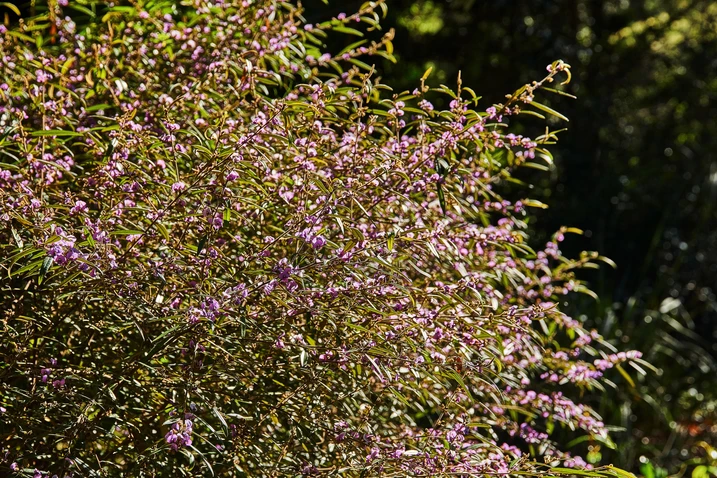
(225, 250)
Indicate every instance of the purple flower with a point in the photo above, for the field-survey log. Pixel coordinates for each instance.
(180, 434)
(318, 242)
(217, 221)
(425, 105)
(375, 452)
(42, 76)
(80, 206)
(284, 269)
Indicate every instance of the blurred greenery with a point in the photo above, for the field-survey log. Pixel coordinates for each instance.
(638, 156)
(636, 170)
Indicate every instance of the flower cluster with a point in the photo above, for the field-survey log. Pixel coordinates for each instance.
(180, 435)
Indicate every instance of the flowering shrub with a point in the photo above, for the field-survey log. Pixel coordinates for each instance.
(225, 250)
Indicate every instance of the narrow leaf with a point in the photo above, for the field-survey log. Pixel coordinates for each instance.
(549, 110)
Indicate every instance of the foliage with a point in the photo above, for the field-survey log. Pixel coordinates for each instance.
(226, 250)
(637, 173)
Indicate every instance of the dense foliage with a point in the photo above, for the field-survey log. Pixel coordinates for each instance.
(637, 172)
(226, 250)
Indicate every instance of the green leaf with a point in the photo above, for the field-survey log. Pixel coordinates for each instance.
(575, 471)
(532, 113)
(558, 92)
(538, 166)
(549, 110)
(608, 261)
(647, 470)
(625, 375)
(361, 64)
(102, 106)
(82, 9)
(163, 231)
(446, 90)
(18, 239)
(11, 7)
(201, 244)
(110, 148)
(19, 35)
(126, 232)
(441, 197)
(350, 31)
(121, 9)
(457, 377)
(620, 472)
(55, 132)
(535, 203)
(67, 64)
(46, 264)
(584, 290)
(352, 47)
(221, 418)
(700, 472)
